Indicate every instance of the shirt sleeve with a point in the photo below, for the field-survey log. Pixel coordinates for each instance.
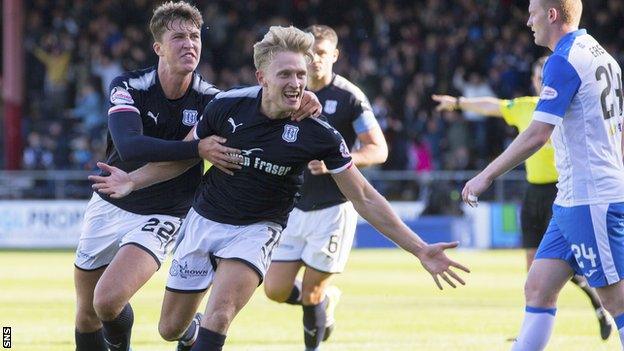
(561, 82)
(207, 126)
(364, 117)
(123, 98)
(338, 157)
(126, 130)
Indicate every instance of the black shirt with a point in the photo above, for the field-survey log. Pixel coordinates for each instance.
(140, 91)
(348, 110)
(275, 152)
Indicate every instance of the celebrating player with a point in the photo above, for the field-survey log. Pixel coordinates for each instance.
(322, 225)
(124, 241)
(236, 221)
(541, 175)
(581, 106)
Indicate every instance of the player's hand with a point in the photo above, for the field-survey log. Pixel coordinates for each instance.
(310, 107)
(224, 158)
(445, 102)
(117, 185)
(475, 187)
(435, 261)
(317, 167)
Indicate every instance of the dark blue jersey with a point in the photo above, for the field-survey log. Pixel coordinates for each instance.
(140, 92)
(348, 110)
(275, 153)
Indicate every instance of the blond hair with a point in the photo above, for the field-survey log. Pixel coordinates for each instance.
(280, 39)
(169, 12)
(570, 10)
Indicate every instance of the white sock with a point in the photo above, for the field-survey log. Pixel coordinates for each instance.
(536, 329)
(619, 321)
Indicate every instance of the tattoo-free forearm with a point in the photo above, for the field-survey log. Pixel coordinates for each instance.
(157, 172)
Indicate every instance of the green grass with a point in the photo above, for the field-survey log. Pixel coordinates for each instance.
(389, 303)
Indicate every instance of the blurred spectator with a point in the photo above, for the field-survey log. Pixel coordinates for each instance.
(36, 156)
(90, 111)
(397, 51)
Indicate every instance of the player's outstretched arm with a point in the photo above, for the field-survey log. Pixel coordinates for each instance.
(525, 145)
(377, 211)
(310, 107)
(119, 183)
(486, 105)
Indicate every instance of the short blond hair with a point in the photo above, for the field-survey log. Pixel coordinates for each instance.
(570, 10)
(281, 39)
(169, 12)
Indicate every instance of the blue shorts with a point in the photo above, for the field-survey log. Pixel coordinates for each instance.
(590, 238)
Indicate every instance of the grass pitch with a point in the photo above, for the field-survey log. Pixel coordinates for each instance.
(389, 303)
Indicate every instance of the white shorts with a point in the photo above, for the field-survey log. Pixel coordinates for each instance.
(203, 242)
(107, 227)
(322, 239)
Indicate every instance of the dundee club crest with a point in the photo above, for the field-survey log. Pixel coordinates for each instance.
(189, 117)
(290, 133)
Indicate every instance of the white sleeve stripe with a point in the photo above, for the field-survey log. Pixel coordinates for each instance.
(123, 108)
(547, 118)
(195, 136)
(340, 169)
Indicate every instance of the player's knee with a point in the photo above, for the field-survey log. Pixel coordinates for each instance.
(169, 330)
(275, 292)
(537, 295)
(107, 306)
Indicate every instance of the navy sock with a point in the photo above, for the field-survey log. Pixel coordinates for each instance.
(207, 340)
(117, 332)
(93, 341)
(314, 320)
(295, 294)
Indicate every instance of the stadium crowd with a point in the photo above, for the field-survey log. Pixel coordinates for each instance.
(399, 52)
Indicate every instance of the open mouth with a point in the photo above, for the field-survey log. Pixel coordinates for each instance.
(292, 96)
(189, 55)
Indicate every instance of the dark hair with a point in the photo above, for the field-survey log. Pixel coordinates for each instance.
(168, 12)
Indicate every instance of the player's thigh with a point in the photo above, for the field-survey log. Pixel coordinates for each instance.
(131, 268)
(280, 278)
(612, 297)
(84, 284)
(329, 245)
(545, 280)
(596, 236)
(103, 226)
(554, 264)
(234, 283)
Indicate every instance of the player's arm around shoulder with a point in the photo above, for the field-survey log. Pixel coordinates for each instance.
(377, 211)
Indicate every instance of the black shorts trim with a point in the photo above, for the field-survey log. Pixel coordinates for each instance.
(298, 260)
(90, 270)
(146, 250)
(185, 291)
(249, 264)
